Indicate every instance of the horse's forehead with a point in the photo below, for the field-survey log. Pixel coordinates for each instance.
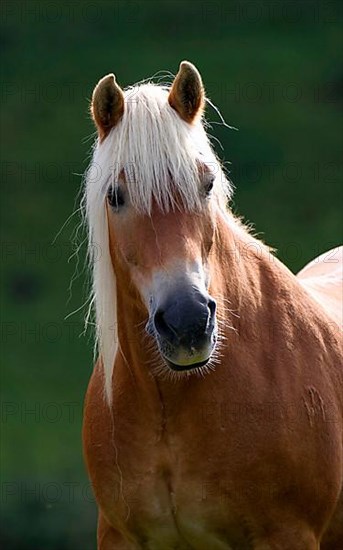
(177, 224)
(176, 214)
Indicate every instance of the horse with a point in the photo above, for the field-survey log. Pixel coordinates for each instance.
(213, 416)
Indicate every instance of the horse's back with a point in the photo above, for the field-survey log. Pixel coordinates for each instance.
(323, 280)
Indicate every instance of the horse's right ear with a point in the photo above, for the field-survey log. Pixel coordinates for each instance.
(107, 105)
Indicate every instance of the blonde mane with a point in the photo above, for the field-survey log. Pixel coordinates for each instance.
(158, 154)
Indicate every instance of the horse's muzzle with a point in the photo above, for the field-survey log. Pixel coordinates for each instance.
(185, 329)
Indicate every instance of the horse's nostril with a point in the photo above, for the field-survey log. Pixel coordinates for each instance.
(160, 323)
(212, 306)
(158, 318)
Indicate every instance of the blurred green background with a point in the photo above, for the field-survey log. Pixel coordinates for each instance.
(273, 69)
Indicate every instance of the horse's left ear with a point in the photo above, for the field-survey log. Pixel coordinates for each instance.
(187, 95)
(107, 105)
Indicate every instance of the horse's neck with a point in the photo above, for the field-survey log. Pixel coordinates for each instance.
(261, 299)
(244, 271)
(257, 295)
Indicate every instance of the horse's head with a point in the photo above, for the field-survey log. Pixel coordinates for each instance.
(161, 184)
(165, 255)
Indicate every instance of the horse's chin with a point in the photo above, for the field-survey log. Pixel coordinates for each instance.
(184, 368)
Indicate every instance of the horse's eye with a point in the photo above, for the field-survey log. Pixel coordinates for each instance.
(209, 182)
(115, 197)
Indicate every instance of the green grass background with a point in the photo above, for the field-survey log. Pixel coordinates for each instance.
(274, 70)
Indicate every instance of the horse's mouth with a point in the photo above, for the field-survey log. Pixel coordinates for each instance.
(180, 368)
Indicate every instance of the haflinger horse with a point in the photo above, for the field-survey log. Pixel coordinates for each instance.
(213, 418)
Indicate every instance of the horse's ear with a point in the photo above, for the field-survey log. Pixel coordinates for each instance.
(187, 95)
(107, 105)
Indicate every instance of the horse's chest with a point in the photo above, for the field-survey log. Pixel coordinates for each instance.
(166, 512)
(164, 501)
